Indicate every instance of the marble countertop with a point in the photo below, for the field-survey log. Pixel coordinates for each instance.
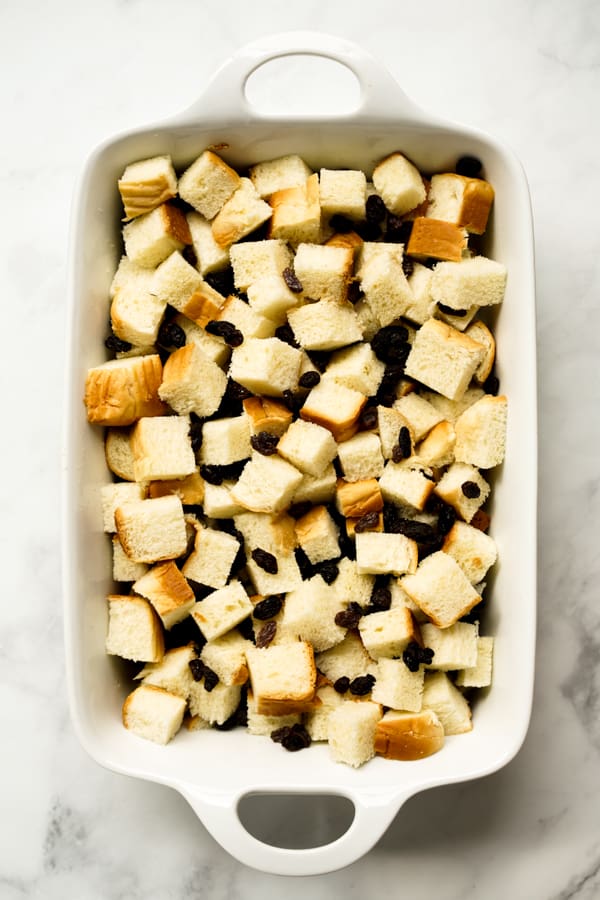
(75, 73)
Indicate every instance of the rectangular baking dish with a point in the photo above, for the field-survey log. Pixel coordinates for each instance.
(212, 769)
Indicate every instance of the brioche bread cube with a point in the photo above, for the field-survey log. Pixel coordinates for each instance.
(153, 713)
(316, 488)
(168, 592)
(308, 447)
(226, 440)
(450, 410)
(438, 447)
(210, 257)
(357, 368)
(388, 633)
(357, 498)
(267, 415)
(367, 319)
(324, 271)
(212, 557)
(254, 260)
(481, 432)
(208, 183)
(118, 453)
(385, 286)
(190, 489)
(348, 658)
(335, 407)
(273, 175)
(369, 250)
(379, 553)
(218, 502)
(265, 725)
(447, 702)
(266, 366)
(396, 686)
(162, 448)
(421, 415)
(146, 184)
(124, 569)
(120, 391)
(441, 589)
(422, 305)
(408, 735)
(399, 183)
(406, 483)
(376, 525)
(343, 192)
(192, 382)
(172, 673)
(180, 285)
(450, 489)
(389, 423)
(352, 586)
(453, 648)
(275, 534)
(222, 610)
(134, 630)
(360, 457)
(226, 656)
(474, 281)
(267, 484)
(113, 495)
(461, 200)
(214, 706)
(287, 577)
(325, 325)
(152, 237)
(351, 731)
(443, 358)
(436, 239)
(282, 677)
(246, 319)
(135, 312)
(479, 675)
(152, 530)
(309, 612)
(318, 535)
(270, 296)
(212, 346)
(297, 213)
(240, 215)
(349, 239)
(460, 319)
(473, 550)
(479, 332)
(316, 722)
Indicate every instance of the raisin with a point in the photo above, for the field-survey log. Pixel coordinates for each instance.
(375, 209)
(492, 384)
(292, 280)
(266, 634)
(307, 570)
(449, 311)
(348, 618)
(170, 334)
(354, 292)
(469, 166)
(291, 401)
(341, 684)
(368, 231)
(195, 432)
(298, 738)
(381, 598)
(285, 334)
(211, 679)
(362, 685)
(320, 359)
(417, 531)
(197, 669)
(279, 734)
(341, 224)
(367, 522)
(232, 336)
(264, 443)
(328, 571)
(387, 340)
(407, 265)
(222, 282)
(246, 629)
(397, 231)
(237, 391)
(410, 657)
(300, 509)
(470, 489)
(265, 560)
(369, 417)
(115, 344)
(212, 474)
(309, 380)
(446, 519)
(403, 449)
(268, 607)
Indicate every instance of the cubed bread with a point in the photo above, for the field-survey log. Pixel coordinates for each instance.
(124, 569)
(450, 410)
(318, 535)
(389, 632)
(396, 686)
(210, 257)
(135, 312)
(351, 731)
(360, 456)
(441, 589)
(348, 659)
(447, 702)
(180, 285)
(357, 498)
(453, 648)
(273, 175)
(222, 610)
(212, 557)
(146, 184)
(357, 368)
(283, 677)
(270, 296)
(152, 530)
(324, 271)
(168, 592)
(384, 284)
(254, 260)
(349, 239)
(436, 239)
(443, 358)
(172, 673)
(192, 382)
(118, 453)
(113, 495)
(399, 184)
(422, 305)
(461, 200)
(316, 722)
(473, 550)
(406, 483)
(266, 725)
(390, 422)
(420, 414)
(481, 432)
(226, 440)
(226, 656)
(308, 447)
(153, 713)
(162, 448)
(212, 346)
(343, 192)
(218, 502)
(267, 484)
(286, 578)
(367, 319)
(335, 407)
(134, 630)
(267, 415)
(437, 449)
(309, 614)
(479, 675)
(464, 488)
(215, 706)
(241, 214)
(246, 319)
(375, 524)
(190, 489)
(208, 183)
(478, 331)
(120, 391)
(474, 281)
(152, 237)
(317, 488)
(297, 213)
(408, 735)
(352, 586)
(275, 534)
(381, 553)
(459, 319)
(325, 325)
(266, 366)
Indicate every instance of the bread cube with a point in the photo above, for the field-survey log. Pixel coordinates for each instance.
(309, 447)
(351, 731)
(226, 441)
(316, 722)
(276, 534)
(214, 706)
(388, 633)
(265, 725)
(451, 708)
(152, 237)
(351, 586)
(267, 484)
(309, 612)
(135, 312)
(287, 577)
(152, 530)
(349, 239)
(241, 214)
(316, 488)
(357, 368)
(270, 296)
(153, 713)
(348, 658)
(473, 550)
(481, 433)
(453, 648)
(113, 495)
(212, 346)
(210, 257)
(324, 271)
(385, 286)
(118, 454)
(450, 410)
(438, 447)
(246, 319)
(134, 630)
(283, 677)
(226, 656)
(277, 174)
(436, 239)
(421, 415)
(443, 358)
(390, 421)
(376, 524)
(360, 457)
(479, 332)
(192, 382)
(406, 484)
(180, 285)
(479, 675)
(222, 610)
(190, 489)
(120, 391)
(441, 589)
(212, 557)
(396, 686)
(422, 305)
(381, 553)
(218, 502)
(297, 213)
(335, 407)
(254, 260)
(343, 192)
(168, 592)
(399, 183)
(460, 319)
(146, 184)
(475, 281)
(267, 415)
(172, 673)
(266, 366)
(124, 569)
(357, 498)
(463, 201)
(162, 448)
(325, 325)
(367, 319)
(450, 489)
(318, 535)
(208, 183)
(408, 735)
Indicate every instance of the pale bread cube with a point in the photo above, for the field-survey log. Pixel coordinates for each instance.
(422, 305)
(218, 502)
(222, 610)
(162, 448)
(254, 260)
(450, 489)
(367, 319)
(152, 530)
(275, 534)
(343, 192)
(134, 630)
(397, 687)
(351, 731)
(443, 358)
(135, 313)
(441, 589)
(153, 713)
(212, 557)
(351, 586)
(348, 658)
(120, 391)
(309, 447)
(266, 366)
(399, 184)
(265, 725)
(118, 454)
(473, 549)
(335, 407)
(246, 319)
(287, 577)
(450, 410)
(214, 706)
(385, 286)
(168, 592)
(180, 285)
(419, 413)
(317, 488)
(212, 346)
(240, 215)
(210, 257)
(389, 632)
(267, 484)
(226, 441)
(482, 334)
(406, 483)
(172, 673)
(459, 320)
(226, 656)
(318, 535)
(309, 612)
(474, 281)
(324, 271)
(390, 421)
(381, 553)
(479, 675)
(152, 237)
(283, 677)
(208, 183)
(192, 382)
(113, 495)
(325, 325)
(447, 702)
(438, 447)
(316, 722)
(453, 648)
(369, 250)
(278, 174)
(356, 367)
(461, 200)
(360, 456)
(270, 297)
(124, 569)
(481, 433)
(297, 213)
(146, 184)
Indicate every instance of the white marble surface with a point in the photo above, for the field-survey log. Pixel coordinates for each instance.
(74, 73)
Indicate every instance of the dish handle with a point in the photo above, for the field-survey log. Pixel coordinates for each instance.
(381, 97)
(373, 813)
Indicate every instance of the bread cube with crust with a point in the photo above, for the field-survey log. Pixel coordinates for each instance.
(348, 658)
(373, 524)
(192, 382)
(222, 610)
(212, 346)
(351, 731)
(421, 415)
(246, 319)
(180, 285)
(308, 447)
(273, 175)
(172, 673)
(318, 535)
(453, 648)
(443, 358)
(226, 440)
(270, 297)
(190, 489)
(422, 305)
(210, 257)
(254, 260)
(146, 184)
(436, 239)
(168, 592)
(276, 534)
(343, 192)
(357, 368)
(316, 722)
(384, 284)
(335, 407)
(118, 454)
(325, 325)
(360, 456)
(388, 633)
(406, 483)
(135, 313)
(208, 183)
(153, 713)
(459, 319)
(389, 423)
(212, 557)
(441, 589)
(473, 550)
(399, 184)
(447, 702)
(481, 432)
(479, 675)
(152, 237)
(317, 488)
(226, 656)
(396, 686)
(381, 553)
(437, 449)
(266, 366)
(357, 498)
(265, 414)
(162, 448)
(124, 569)
(479, 332)
(267, 484)
(452, 409)
(265, 725)
(474, 281)
(218, 502)
(241, 214)
(282, 677)
(324, 271)
(450, 489)
(152, 530)
(408, 735)
(214, 706)
(297, 213)
(134, 630)
(309, 613)
(463, 201)
(120, 391)
(113, 495)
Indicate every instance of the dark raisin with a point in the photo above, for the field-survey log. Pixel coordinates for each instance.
(268, 607)
(426, 655)
(264, 443)
(449, 311)
(354, 292)
(237, 391)
(341, 224)
(469, 166)
(300, 509)
(320, 359)
(279, 734)
(170, 334)
(389, 342)
(297, 738)
(415, 530)
(492, 384)
(195, 432)
(266, 634)
(115, 344)
(369, 417)
(446, 519)
(227, 330)
(362, 685)
(470, 489)
(246, 629)
(381, 598)
(375, 210)
(403, 449)
(368, 231)
(197, 669)
(341, 684)
(397, 231)
(285, 334)
(407, 265)
(292, 280)
(307, 570)
(291, 401)
(348, 618)
(386, 393)
(212, 474)
(309, 379)
(211, 679)
(265, 560)
(222, 282)
(410, 657)
(367, 522)
(328, 571)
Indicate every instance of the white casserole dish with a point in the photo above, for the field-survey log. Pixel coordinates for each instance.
(212, 769)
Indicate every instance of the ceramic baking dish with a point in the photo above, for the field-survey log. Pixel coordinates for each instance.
(212, 769)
